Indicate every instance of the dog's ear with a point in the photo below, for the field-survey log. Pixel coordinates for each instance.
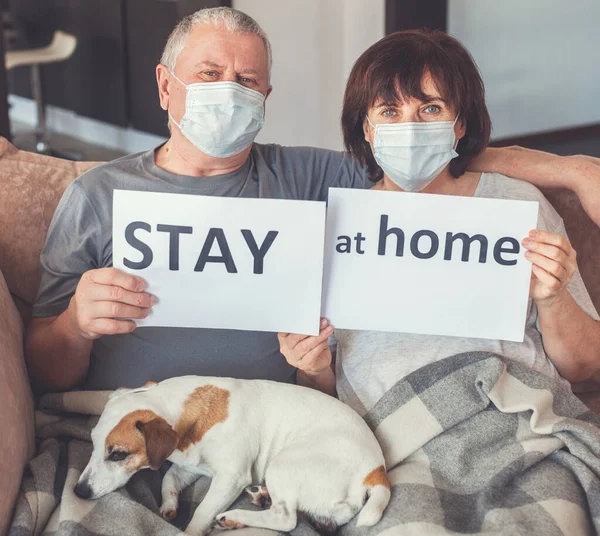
(161, 440)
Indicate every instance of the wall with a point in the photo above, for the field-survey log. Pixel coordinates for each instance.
(315, 44)
(540, 60)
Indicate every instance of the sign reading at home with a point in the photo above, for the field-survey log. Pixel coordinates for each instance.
(216, 262)
(429, 264)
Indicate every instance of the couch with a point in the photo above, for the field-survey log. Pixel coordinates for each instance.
(30, 188)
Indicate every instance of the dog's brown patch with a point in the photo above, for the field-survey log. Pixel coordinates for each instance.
(127, 437)
(205, 407)
(377, 477)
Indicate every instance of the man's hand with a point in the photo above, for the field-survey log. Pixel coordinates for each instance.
(104, 302)
(309, 354)
(554, 263)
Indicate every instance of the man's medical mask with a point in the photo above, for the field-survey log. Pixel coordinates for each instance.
(413, 154)
(221, 118)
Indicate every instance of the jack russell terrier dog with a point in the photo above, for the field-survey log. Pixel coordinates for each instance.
(312, 453)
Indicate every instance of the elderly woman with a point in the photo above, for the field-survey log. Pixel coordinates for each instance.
(414, 113)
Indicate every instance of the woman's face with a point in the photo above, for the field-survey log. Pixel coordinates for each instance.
(413, 111)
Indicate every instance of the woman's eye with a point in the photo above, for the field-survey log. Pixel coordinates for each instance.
(432, 109)
(117, 456)
(389, 112)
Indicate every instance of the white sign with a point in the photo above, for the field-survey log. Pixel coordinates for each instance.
(216, 262)
(430, 264)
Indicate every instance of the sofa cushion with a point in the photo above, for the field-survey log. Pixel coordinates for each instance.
(16, 406)
(30, 187)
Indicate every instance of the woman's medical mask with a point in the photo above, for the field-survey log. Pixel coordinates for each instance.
(221, 118)
(413, 154)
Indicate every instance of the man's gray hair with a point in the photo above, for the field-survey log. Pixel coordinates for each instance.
(234, 20)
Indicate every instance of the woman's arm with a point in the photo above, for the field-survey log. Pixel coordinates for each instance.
(578, 173)
(312, 357)
(571, 337)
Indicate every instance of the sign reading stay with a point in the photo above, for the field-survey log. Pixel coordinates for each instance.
(430, 264)
(216, 262)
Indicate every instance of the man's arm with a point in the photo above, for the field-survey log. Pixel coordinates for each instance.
(57, 358)
(578, 173)
(58, 348)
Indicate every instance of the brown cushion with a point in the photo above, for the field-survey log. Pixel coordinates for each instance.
(30, 187)
(584, 235)
(16, 406)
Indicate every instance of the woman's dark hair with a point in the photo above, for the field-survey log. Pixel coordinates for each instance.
(393, 69)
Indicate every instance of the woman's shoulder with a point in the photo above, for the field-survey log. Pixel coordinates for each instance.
(497, 186)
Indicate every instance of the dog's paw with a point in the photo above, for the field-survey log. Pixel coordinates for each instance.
(168, 513)
(168, 509)
(170, 503)
(226, 521)
(259, 495)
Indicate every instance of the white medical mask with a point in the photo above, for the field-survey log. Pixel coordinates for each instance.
(221, 118)
(413, 154)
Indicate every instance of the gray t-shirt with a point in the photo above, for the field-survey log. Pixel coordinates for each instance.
(80, 239)
(368, 363)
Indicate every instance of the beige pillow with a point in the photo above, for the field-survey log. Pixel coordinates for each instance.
(30, 187)
(16, 406)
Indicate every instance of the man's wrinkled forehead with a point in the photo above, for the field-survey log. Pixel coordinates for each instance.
(208, 43)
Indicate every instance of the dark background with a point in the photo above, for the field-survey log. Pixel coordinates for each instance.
(110, 77)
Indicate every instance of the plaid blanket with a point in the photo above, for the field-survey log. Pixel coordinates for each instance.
(472, 446)
(477, 446)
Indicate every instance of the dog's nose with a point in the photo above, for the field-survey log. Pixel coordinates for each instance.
(83, 490)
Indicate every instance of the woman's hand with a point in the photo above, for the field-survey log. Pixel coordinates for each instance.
(309, 354)
(554, 263)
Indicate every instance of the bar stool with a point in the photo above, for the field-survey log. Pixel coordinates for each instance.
(61, 48)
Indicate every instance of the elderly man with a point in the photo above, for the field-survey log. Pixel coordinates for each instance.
(213, 81)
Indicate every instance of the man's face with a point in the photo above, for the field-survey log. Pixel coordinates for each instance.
(213, 54)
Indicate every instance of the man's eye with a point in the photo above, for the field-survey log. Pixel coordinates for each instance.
(117, 456)
(245, 80)
(210, 73)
